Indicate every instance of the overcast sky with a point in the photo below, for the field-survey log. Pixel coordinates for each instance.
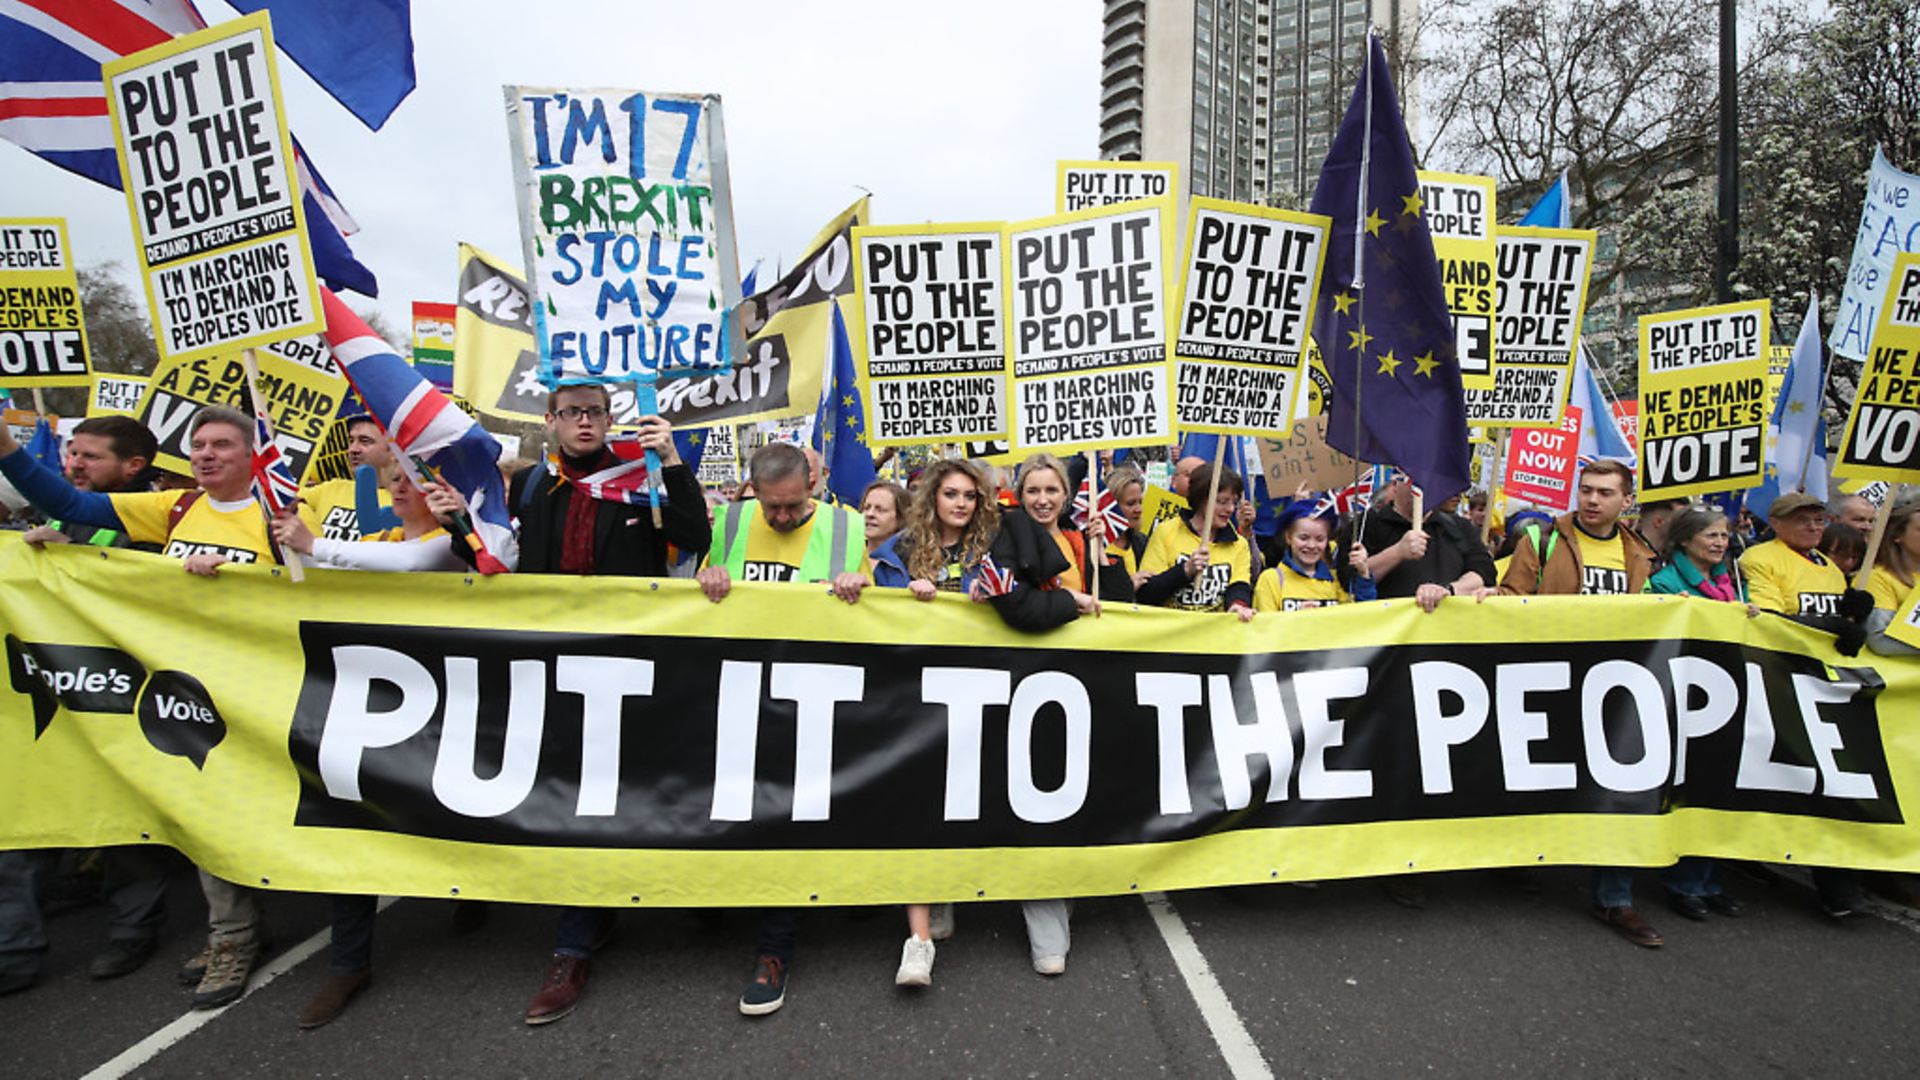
(945, 112)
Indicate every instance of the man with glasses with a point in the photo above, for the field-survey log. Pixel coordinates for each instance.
(565, 530)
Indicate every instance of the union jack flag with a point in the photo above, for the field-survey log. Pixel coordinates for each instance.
(993, 580)
(1112, 519)
(53, 103)
(625, 482)
(273, 480)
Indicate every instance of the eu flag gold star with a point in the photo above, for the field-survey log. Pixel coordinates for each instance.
(1357, 339)
(847, 400)
(1796, 406)
(1343, 302)
(1374, 221)
(1425, 363)
(1412, 204)
(1389, 366)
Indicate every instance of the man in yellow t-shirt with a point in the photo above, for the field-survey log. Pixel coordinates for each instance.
(1586, 552)
(1788, 574)
(782, 534)
(205, 527)
(330, 508)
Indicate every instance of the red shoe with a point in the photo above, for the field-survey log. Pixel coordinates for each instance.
(566, 981)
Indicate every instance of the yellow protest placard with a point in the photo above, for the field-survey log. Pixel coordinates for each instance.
(1157, 504)
(1249, 282)
(1883, 429)
(43, 333)
(208, 166)
(1540, 296)
(929, 355)
(116, 395)
(1088, 314)
(1460, 215)
(302, 387)
(1703, 395)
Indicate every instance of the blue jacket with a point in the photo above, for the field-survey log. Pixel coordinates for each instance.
(889, 565)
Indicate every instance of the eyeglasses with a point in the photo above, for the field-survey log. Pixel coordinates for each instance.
(574, 413)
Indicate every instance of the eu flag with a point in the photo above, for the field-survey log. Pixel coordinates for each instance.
(1382, 324)
(840, 425)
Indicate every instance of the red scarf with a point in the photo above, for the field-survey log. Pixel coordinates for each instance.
(576, 532)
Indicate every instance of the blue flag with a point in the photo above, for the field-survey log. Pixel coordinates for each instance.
(360, 51)
(44, 446)
(691, 443)
(840, 426)
(1383, 325)
(1552, 210)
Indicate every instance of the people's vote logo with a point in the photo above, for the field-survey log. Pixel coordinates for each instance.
(176, 714)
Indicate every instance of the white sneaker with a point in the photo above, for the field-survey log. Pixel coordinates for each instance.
(1050, 965)
(916, 964)
(940, 921)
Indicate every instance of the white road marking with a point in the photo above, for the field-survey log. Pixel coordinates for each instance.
(1237, 1048)
(150, 1047)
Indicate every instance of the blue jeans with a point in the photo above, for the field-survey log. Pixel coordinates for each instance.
(579, 928)
(1691, 876)
(779, 933)
(1612, 886)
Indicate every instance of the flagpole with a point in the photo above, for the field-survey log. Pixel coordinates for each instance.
(290, 559)
(1360, 275)
(1213, 492)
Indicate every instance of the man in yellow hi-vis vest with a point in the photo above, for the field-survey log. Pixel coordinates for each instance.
(782, 535)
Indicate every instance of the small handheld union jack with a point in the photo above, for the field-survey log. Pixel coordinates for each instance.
(993, 580)
(1112, 519)
(273, 481)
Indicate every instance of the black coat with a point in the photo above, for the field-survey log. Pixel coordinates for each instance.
(1023, 548)
(624, 539)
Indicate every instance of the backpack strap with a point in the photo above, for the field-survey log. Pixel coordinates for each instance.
(179, 510)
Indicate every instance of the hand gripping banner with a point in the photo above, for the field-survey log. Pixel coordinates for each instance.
(625, 742)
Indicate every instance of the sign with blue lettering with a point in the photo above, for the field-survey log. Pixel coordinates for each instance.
(1889, 225)
(627, 219)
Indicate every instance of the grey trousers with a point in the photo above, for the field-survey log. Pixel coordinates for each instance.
(233, 911)
(1047, 933)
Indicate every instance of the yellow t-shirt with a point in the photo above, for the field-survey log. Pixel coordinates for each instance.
(1603, 565)
(1500, 568)
(773, 555)
(1281, 588)
(330, 508)
(1782, 580)
(235, 529)
(1123, 551)
(1227, 563)
(1888, 593)
(398, 535)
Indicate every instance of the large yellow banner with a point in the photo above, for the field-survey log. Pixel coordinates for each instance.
(624, 742)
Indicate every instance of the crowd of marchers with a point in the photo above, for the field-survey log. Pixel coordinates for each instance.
(1008, 539)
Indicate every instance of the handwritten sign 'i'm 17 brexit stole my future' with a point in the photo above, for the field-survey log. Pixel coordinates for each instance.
(627, 218)
(1087, 307)
(209, 173)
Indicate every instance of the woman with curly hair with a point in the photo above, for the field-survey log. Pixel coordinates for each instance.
(946, 529)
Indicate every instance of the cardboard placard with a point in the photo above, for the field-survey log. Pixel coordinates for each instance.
(1543, 462)
(116, 395)
(1703, 396)
(1460, 214)
(208, 168)
(932, 363)
(1085, 185)
(43, 332)
(301, 383)
(1540, 296)
(1882, 440)
(1087, 325)
(626, 214)
(1249, 283)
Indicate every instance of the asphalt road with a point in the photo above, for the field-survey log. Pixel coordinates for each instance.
(1329, 981)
